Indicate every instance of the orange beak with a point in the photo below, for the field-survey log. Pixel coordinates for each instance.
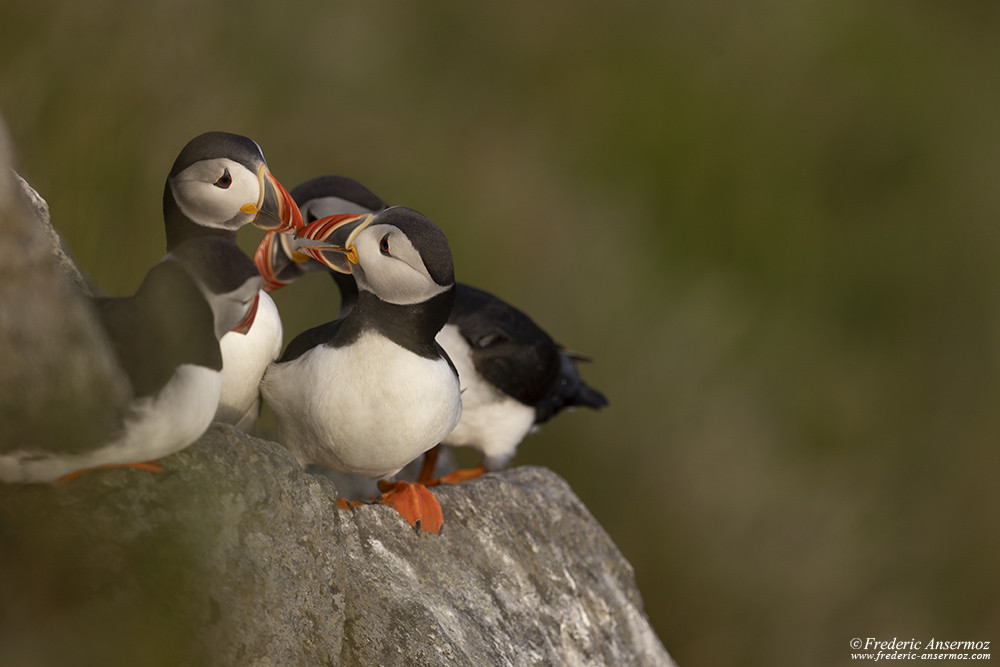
(275, 266)
(330, 240)
(276, 210)
(244, 326)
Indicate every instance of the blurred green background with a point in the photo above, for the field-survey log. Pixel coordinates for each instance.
(773, 225)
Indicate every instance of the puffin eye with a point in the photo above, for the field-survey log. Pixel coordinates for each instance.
(383, 246)
(225, 180)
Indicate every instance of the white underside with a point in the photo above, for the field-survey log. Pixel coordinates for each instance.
(153, 428)
(492, 422)
(245, 357)
(369, 408)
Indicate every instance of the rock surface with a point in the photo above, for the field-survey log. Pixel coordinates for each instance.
(58, 383)
(237, 556)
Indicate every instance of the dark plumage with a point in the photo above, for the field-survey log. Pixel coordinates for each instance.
(518, 357)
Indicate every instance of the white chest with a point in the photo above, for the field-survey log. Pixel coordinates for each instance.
(244, 359)
(492, 422)
(153, 427)
(368, 408)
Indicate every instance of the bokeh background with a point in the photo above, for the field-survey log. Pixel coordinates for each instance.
(773, 225)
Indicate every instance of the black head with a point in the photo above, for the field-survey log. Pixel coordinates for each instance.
(402, 257)
(220, 182)
(212, 145)
(333, 195)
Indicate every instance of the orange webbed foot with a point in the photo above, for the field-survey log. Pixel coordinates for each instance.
(415, 503)
(151, 466)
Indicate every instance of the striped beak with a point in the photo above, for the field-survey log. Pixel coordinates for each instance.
(276, 210)
(278, 264)
(330, 240)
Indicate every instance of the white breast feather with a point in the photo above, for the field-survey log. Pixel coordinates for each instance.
(369, 408)
(245, 357)
(154, 428)
(492, 422)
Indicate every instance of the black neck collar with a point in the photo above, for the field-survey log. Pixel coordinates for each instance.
(412, 327)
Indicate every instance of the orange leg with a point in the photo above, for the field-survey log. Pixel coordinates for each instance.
(426, 476)
(427, 469)
(151, 466)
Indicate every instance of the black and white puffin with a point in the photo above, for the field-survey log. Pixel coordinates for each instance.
(370, 392)
(166, 339)
(514, 377)
(219, 183)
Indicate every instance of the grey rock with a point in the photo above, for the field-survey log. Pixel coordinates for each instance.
(59, 385)
(39, 209)
(237, 556)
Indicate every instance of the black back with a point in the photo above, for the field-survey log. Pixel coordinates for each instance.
(166, 323)
(517, 356)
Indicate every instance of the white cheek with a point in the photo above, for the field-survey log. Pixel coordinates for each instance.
(212, 206)
(392, 279)
(209, 205)
(396, 282)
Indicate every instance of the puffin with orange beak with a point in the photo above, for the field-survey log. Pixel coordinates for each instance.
(514, 376)
(219, 183)
(369, 393)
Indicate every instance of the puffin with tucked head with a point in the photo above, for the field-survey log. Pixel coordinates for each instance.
(166, 339)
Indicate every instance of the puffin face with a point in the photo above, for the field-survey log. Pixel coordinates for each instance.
(401, 257)
(218, 193)
(221, 181)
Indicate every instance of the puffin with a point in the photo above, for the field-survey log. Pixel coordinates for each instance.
(514, 376)
(165, 338)
(219, 183)
(368, 393)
